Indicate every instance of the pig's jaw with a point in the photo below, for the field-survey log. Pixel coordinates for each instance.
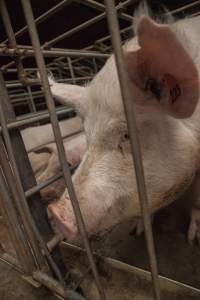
(62, 214)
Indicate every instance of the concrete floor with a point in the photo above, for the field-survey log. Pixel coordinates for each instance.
(176, 258)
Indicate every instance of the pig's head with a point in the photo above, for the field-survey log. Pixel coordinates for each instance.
(164, 83)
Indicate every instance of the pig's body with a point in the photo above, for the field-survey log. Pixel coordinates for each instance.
(169, 131)
(36, 136)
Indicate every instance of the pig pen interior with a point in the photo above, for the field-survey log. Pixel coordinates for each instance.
(176, 258)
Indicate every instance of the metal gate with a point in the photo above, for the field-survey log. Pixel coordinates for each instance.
(38, 258)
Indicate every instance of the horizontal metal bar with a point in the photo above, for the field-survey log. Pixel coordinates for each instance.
(42, 185)
(47, 182)
(36, 117)
(4, 51)
(19, 84)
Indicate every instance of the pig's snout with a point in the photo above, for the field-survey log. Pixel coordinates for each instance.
(62, 214)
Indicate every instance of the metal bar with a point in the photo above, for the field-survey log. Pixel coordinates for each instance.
(61, 152)
(4, 51)
(101, 7)
(71, 70)
(125, 86)
(18, 84)
(16, 186)
(12, 261)
(16, 234)
(42, 185)
(43, 17)
(74, 30)
(33, 118)
(37, 208)
(31, 103)
(182, 8)
(11, 37)
(54, 241)
(86, 24)
(47, 182)
(55, 286)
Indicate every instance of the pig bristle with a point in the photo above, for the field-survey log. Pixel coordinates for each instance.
(144, 10)
(51, 78)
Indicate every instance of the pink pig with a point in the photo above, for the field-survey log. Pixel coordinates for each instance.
(163, 62)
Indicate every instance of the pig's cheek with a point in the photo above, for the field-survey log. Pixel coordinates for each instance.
(59, 214)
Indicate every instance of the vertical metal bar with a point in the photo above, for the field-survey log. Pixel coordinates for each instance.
(71, 70)
(95, 65)
(125, 86)
(63, 162)
(17, 190)
(16, 233)
(31, 103)
(11, 36)
(21, 202)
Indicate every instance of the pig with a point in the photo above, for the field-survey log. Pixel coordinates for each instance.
(45, 163)
(36, 136)
(163, 65)
(39, 161)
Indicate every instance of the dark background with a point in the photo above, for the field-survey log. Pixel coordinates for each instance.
(69, 17)
(72, 15)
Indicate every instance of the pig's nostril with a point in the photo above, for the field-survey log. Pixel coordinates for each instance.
(126, 136)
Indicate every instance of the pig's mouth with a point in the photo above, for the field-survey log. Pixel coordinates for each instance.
(61, 214)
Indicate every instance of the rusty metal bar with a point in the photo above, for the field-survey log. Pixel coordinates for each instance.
(125, 86)
(61, 152)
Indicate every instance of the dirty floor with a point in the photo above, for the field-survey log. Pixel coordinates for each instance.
(176, 258)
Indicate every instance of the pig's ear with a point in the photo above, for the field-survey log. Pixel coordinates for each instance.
(69, 94)
(164, 68)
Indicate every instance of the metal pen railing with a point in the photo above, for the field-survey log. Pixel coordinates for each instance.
(33, 249)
